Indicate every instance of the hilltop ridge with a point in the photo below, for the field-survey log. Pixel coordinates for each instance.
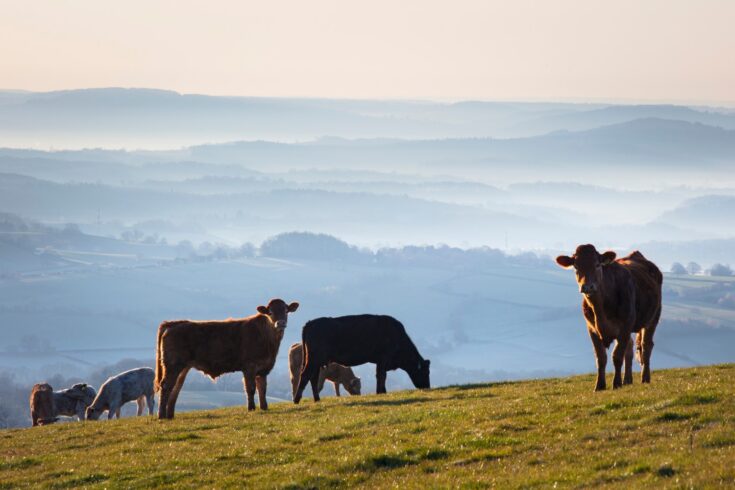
(678, 431)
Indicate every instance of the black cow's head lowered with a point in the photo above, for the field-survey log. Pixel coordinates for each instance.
(277, 310)
(419, 374)
(588, 264)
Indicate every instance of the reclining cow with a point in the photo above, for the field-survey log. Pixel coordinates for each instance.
(47, 405)
(619, 297)
(248, 345)
(135, 384)
(357, 339)
(335, 373)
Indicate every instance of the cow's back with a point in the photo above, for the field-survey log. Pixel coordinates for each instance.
(354, 339)
(218, 347)
(136, 382)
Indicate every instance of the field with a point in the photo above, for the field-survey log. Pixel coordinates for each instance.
(677, 432)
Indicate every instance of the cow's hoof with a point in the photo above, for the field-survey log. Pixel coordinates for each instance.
(264, 408)
(250, 409)
(600, 388)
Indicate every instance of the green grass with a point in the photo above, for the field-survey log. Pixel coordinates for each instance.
(677, 432)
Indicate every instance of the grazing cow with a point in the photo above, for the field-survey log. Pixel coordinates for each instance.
(249, 345)
(69, 402)
(74, 401)
(357, 339)
(135, 384)
(619, 297)
(336, 373)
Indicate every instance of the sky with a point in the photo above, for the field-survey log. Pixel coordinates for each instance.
(623, 50)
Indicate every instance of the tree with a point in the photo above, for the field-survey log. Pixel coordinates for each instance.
(677, 268)
(720, 270)
(694, 268)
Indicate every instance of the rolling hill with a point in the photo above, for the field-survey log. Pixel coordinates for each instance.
(677, 432)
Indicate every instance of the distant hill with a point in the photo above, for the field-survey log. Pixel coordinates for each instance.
(649, 142)
(713, 214)
(147, 118)
(616, 114)
(542, 433)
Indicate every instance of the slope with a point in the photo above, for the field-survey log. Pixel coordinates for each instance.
(679, 431)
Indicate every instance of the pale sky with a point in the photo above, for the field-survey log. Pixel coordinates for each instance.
(645, 50)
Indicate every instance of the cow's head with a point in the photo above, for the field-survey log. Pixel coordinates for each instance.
(278, 311)
(588, 264)
(82, 392)
(419, 374)
(354, 386)
(93, 413)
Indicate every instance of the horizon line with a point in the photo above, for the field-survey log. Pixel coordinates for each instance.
(450, 99)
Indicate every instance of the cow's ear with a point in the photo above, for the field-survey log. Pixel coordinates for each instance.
(607, 258)
(565, 261)
(262, 309)
(293, 307)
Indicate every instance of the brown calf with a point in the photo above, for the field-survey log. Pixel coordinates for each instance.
(249, 345)
(336, 373)
(42, 404)
(619, 297)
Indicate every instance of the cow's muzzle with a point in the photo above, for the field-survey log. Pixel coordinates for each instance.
(281, 324)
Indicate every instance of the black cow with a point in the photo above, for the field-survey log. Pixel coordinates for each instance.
(357, 339)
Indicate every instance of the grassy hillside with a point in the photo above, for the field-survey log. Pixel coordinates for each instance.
(677, 432)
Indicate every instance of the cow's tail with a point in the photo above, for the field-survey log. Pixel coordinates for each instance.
(304, 348)
(159, 358)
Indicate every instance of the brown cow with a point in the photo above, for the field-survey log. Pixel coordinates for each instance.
(42, 404)
(249, 345)
(336, 373)
(619, 297)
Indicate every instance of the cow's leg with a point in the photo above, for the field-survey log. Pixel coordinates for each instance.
(380, 375)
(151, 402)
(248, 379)
(601, 357)
(174, 395)
(79, 410)
(141, 404)
(163, 399)
(322, 380)
(621, 346)
(628, 378)
(645, 356)
(315, 386)
(310, 369)
(171, 374)
(117, 412)
(294, 385)
(261, 382)
(336, 387)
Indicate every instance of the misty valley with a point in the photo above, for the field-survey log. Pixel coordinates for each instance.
(415, 212)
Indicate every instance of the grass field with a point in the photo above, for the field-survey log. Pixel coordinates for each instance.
(677, 432)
